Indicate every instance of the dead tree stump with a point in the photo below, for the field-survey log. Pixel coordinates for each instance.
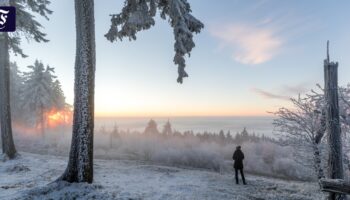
(335, 160)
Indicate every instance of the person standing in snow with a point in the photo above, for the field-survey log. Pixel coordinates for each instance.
(238, 157)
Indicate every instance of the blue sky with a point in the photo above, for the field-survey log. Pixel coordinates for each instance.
(250, 57)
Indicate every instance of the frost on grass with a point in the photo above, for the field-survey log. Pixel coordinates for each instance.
(138, 15)
(64, 190)
(142, 180)
(4, 157)
(17, 169)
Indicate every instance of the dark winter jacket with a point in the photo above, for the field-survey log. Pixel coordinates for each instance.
(238, 157)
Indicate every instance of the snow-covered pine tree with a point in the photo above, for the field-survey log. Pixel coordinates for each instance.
(26, 26)
(136, 15)
(167, 131)
(58, 95)
(113, 135)
(229, 137)
(222, 138)
(151, 128)
(38, 94)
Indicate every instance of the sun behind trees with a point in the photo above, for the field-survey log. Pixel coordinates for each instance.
(37, 97)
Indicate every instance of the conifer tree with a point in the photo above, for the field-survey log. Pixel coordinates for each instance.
(27, 26)
(41, 92)
(167, 131)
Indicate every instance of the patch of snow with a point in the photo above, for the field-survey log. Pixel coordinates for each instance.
(122, 179)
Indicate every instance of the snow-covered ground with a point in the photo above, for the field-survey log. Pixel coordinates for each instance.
(31, 176)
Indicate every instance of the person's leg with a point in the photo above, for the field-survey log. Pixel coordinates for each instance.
(236, 175)
(243, 179)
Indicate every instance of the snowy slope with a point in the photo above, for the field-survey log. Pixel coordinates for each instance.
(28, 177)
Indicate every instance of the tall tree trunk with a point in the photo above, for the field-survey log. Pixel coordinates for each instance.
(335, 160)
(80, 164)
(8, 146)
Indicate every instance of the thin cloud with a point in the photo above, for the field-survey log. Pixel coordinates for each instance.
(285, 92)
(269, 95)
(295, 90)
(250, 44)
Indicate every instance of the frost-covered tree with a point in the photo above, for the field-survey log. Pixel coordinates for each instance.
(114, 134)
(80, 164)
(41, 92)
(303, 127)
(151, 128)
(136, 15)
(344, 106)
(27, 26)
(229, 137)
(222, 137)
(59, 100)
(23, 92)
(315, 102)
(344, 114)
(167, 130)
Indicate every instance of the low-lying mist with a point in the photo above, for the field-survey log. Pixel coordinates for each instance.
(211, 151)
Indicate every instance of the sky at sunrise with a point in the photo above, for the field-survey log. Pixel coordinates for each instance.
(250, 58)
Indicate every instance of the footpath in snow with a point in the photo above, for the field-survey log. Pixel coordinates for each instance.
(31, 177)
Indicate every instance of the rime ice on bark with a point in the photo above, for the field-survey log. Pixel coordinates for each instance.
(335, 160)
(139, 15)
(80, 165)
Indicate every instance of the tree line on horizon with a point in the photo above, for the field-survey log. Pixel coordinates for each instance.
(168, 131)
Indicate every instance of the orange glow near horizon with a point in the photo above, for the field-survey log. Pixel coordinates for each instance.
(185, 113)
(57, 118)
(156, 102)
